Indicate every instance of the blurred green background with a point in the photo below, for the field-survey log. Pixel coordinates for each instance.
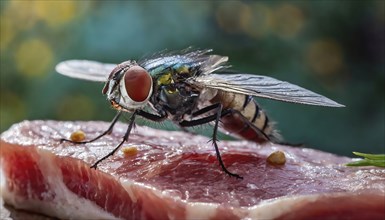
(335, 48)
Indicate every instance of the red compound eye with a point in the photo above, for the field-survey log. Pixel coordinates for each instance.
(138, 83)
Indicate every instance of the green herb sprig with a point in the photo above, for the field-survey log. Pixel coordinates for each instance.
(377, 160)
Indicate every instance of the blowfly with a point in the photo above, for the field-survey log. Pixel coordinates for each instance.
(190, 88)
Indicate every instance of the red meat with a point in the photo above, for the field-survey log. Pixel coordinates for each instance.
(176, 175)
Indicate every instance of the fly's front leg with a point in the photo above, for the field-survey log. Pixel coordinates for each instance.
(125, 138)
(127, 134)
(108, 131)
(203, 120)
(218, 116)
(162, 116)
(215, 117)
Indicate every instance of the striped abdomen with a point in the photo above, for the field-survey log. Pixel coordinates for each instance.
(245, 119)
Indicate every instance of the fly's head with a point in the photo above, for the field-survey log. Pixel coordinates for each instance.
(129, 87)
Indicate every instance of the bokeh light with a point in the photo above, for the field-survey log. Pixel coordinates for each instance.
(57, 12)
(75, 107)
(257, 20)
(7, 31)
(21, 14)
(288, 20)
(325, 57)
(33, 57)
(231, 14)
(12, 109)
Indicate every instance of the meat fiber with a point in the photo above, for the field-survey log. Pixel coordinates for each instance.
(175, 175)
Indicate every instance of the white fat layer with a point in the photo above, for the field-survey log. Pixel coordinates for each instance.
(4, 213)
(269, 209)
(275, 208)
(198, 210)
(2, 180)
(194, 210)
(128, 187)
(64, 204)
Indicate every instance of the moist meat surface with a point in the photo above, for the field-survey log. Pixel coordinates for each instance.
(179, 173)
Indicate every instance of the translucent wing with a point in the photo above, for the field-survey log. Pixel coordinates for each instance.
(85, 69)
(200, 59)
(263, 86)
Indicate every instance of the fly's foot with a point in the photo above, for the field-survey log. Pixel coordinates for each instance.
(71, 141)
(95, 165)
(77, 137)
(67, 140)
(233, 175)
(63, 140)
(230, 173)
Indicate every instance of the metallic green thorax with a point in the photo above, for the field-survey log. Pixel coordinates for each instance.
(167, 78)
(170, 75)
(171, 90)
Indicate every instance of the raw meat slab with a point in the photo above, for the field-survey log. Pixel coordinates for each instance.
(175, 175)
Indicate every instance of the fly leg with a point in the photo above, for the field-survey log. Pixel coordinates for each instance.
(125, 138)
(204, 110)
(127, 134)
(219, 114)
(152, 117)
(108, 131)
(215, 117)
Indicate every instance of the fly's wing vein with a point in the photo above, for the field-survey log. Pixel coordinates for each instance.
(198, 59)
(85, 69)
(265, 87)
